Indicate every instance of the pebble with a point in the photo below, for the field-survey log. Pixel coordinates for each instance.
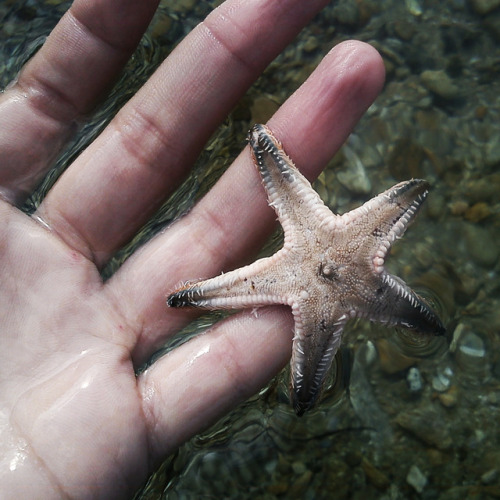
(484, 188)
(478, 212)
(492, 24)
(299, 486)
(183, 5)
(471, 357)
(472, 346)
(278, 488)
(162, 25)
(299, 467)
(441, 382)
(483, 7)
(311, 44)
(449, 399)
(480, 245)
(493, 151)
(493, 398)
(436, 458)
(480, 112)
(354, 178)
(418, 422)
(374, 475)
(424, 254)
(458, 207)
(404, 29)
(353, 458)
(439, 83)
(489, 477)
(414, 7)
(414, 380)
(416, 478)
(347, 13)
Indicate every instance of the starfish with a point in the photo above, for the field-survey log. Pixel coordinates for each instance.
(329, 270)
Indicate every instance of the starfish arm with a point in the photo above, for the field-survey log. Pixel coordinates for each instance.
(254, 285)
(393, 209)
(385, 218)
(299, 208)
(393, 302)
(317, 337)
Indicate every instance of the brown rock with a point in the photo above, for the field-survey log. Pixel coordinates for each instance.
(374, 475)
(439, 83)
(483, 7)
(478, 212)
(449, 398)
(428, 425)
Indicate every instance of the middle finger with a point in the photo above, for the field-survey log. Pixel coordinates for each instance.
(122, 178)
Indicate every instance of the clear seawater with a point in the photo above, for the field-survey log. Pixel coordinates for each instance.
(403, 418)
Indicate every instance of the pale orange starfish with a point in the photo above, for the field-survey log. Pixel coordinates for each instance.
(330, 269)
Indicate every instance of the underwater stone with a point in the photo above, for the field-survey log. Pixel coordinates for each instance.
(449, 398)
(493, 151)
(492, 24)
(414, 380)
(300, 485)
(347, 13)
(472, 345)
(416, 479)
(311, 44)
(483, 7)
(471, 354)
(424, 254)
(414, 7)
(355, 178)
(428, 425)
(299, 467)
(374, 475)
(480, 245)
(483, 189)
(441, 382)
(490, 476)
(183, 5)
(440, 84)
(478, 212)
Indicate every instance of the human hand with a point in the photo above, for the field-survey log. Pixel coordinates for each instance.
(75, 419)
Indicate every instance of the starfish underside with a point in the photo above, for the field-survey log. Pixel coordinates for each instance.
(329, 270)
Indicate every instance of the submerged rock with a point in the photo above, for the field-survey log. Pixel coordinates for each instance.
(416, 478)
(483, 7)
(480, 245)
(428, 425)
(439, 83)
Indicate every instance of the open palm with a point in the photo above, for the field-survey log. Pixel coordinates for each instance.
(75, 419)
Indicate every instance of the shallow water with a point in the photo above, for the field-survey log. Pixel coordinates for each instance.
(404, 419)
